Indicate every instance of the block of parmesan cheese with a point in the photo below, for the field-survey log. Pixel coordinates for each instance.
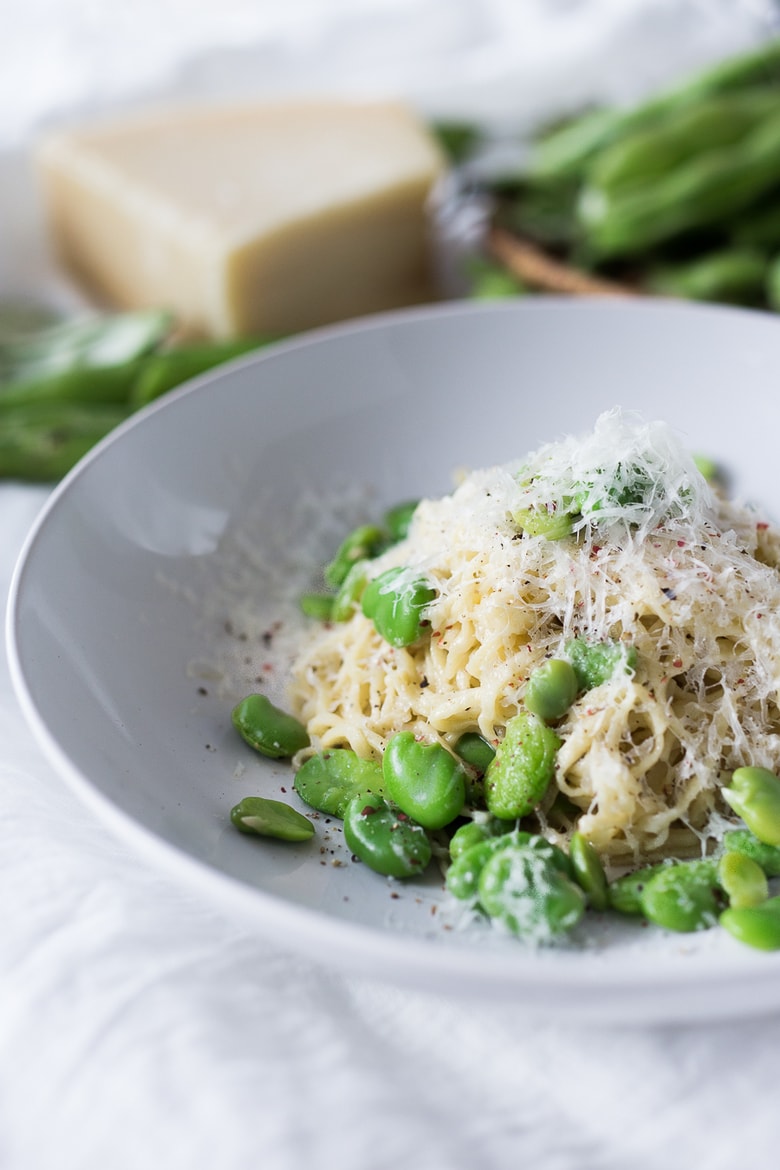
(252, 219)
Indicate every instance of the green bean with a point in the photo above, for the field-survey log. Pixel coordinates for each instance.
(704, 192)
(683, 897)
(329, 780)
(743, 880)
(735, 275)
(523, 767)
(551, 689)
(745, 842)
(760, 227)
(385, 839)
(531, 897)
(41, 442)
(756, 926)
(475, 750)
(650, 152)
(261, 817)
(361, 544)
(595, 663)
(625, 893)
(564, 152)
(543, 213)
(424, 780)
(395, 602)
(754, 794)
(268, 729)
(588, 871)
(569, 150)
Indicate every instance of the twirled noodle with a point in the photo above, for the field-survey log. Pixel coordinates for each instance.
(643, 756)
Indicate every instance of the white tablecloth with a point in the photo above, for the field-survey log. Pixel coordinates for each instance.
(140, 1028)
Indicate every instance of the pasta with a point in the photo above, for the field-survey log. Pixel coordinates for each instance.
(614, 537)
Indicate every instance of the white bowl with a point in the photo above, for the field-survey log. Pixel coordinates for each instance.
(200, 512)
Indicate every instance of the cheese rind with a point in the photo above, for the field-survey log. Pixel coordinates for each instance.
(271, 218)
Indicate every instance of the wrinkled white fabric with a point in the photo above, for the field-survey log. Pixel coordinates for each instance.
(141, 1028)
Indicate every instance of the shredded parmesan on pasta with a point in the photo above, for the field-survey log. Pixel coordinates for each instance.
(654, 560)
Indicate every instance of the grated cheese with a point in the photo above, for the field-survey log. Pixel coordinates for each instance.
(653, 559)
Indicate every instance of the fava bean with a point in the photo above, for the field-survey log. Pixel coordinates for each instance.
(424, 780)
(395, 602)
(743, 841)
(625, 893)
(329, 780)
(683, 897)
(523, 767)
(553, 525)
(397, 520)
(475, 750)
(463, 875)
(350, 591)
(361, 544)
(317, 605)
(475, 833)
(551, 689)
(386, 839)
(268, 729)
(743, 880)
(756, 926)
(588, 871)
(270, 818)
(529, 895)
(595, 663)
(754, 794)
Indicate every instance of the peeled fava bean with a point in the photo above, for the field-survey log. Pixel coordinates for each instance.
(754, 794)
(329, 780)
(523, 767)
(743, 880)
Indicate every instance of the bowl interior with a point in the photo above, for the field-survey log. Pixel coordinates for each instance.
(160, 583)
